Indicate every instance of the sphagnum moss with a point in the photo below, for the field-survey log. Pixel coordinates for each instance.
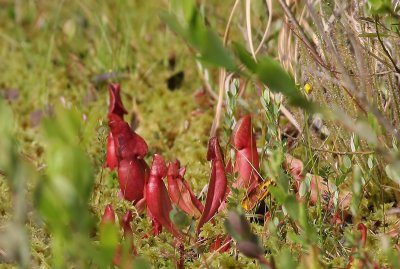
(57, 53)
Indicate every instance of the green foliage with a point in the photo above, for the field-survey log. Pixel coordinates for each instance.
(285, 260)
(108, 240)
(179, 218)
(212, 51)
(69, 53)
(393, 171)
(231, 105)
(271, 73)
(291, 206)
(380, 6)
(62, 196)
(200, 37)
(271, 108)
(357, 190)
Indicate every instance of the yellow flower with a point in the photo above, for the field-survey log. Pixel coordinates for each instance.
(308, 88)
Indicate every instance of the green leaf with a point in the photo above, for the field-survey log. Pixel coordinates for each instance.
(109, 238)
(309, 230)
(292, 207)
(305, 186)
(393, 171)
(64, 129)
(278, 194)
(277, 79)
(346, 162)
(271, 73)
(62, 197)
(374, 124)
(179, 218)
(245, 57)
(285, 260)
(183, 8)
(173, 24)
(370, 162)
(203, 39)
(356, 188)
(373, 35)
(380, 6)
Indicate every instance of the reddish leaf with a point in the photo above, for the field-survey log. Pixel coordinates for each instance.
(132, 175)
(108, 215)
(217, 184)
(229, 167)
(128, 144)
(363, 240)
(128, 232)
(156, 227)
(141, 204)
(111, 158)
(125, 263)
(194, 198)
(363, 230)
(247, 162)
(126, 223)
(220, 244)
(295, 168)
(319, 188)
(180, 264)
(116, 107)
(158, 202)
(180, 191)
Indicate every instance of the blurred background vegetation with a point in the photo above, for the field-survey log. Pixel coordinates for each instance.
(333, 102)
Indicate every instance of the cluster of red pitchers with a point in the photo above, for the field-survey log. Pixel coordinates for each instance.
(144, 187)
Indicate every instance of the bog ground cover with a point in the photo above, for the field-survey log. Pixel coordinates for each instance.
(199, 134)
